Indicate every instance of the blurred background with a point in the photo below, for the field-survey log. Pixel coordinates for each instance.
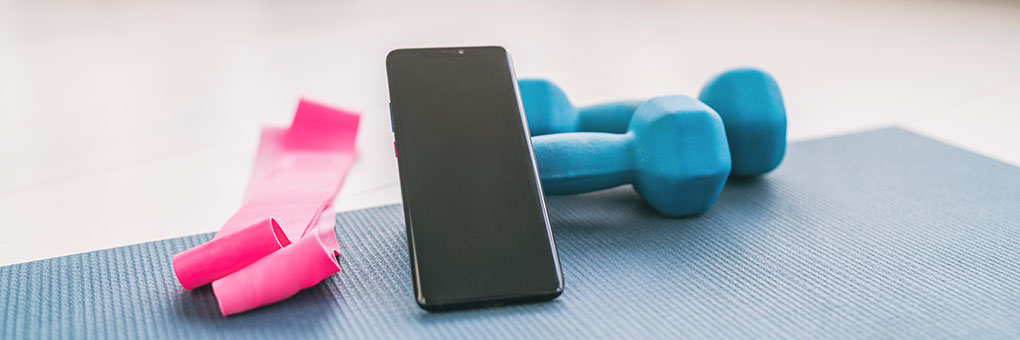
(131, 121)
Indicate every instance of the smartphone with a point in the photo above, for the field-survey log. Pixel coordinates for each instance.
(477, 228)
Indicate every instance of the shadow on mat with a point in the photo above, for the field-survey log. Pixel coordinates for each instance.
(468, 316)
(305, 312)
(622, 207)
(619, 220)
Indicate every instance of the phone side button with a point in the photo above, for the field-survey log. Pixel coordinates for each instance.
(394, 149)
(392, 129)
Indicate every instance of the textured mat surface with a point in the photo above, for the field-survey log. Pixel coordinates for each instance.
(878, 234)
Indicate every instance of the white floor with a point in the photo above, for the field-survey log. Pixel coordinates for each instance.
(125, 122)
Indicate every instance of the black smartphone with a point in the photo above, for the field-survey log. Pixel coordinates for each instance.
(477, 227)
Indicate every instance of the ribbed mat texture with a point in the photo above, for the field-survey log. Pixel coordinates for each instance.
(880, 234)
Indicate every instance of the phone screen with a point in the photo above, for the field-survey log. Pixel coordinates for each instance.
(476, 221)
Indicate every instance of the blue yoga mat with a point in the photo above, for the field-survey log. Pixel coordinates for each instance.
(881, 234)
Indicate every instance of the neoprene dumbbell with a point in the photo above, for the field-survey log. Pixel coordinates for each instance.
(748, 101)
(674, 152)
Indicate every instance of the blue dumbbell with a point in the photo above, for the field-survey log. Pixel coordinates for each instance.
(673, 151)
(747, 100)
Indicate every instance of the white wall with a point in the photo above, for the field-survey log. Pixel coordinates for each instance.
(127, 121)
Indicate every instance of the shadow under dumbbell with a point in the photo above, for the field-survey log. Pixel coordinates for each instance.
(618, 218)
(619, 203)
(614, 219)
(623, 207)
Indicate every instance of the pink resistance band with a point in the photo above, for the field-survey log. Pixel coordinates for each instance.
(281, 240)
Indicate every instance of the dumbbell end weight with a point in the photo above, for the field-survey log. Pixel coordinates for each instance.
(549, 111)
(751, 107)
(546, 107)
(683, 156)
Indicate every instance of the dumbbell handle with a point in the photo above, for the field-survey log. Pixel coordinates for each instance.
(609, 117)
(579, 162)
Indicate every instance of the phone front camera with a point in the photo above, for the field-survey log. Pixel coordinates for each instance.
(460, 51)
